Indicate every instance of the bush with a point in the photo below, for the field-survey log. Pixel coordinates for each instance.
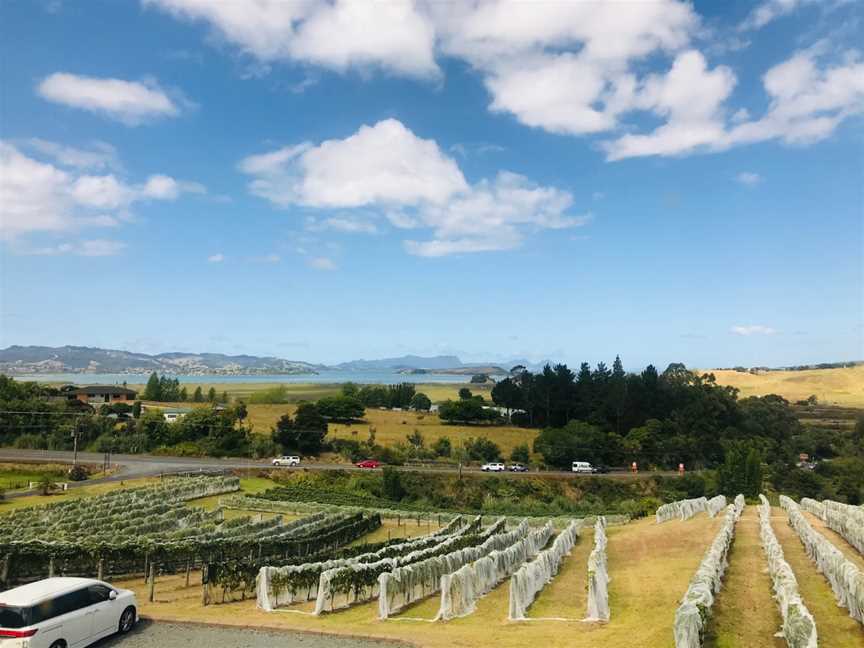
(260, 446)
(442, 447)
(392, 484)
(78, 473)
(31, 442)
(521, 454)
(482, 449)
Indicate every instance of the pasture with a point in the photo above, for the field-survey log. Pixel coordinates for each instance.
(844, 387)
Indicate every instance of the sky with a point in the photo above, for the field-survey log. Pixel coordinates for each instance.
(330, 180)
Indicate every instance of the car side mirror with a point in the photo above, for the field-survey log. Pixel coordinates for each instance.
(112, 595)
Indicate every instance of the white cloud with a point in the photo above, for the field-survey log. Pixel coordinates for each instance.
(130, 102)
(88, 248)
(100, 155)
(807, 103)
(321, 263)
(413, 184)
(395, 36)
(752, 329)
(36, 196)
(769, 10)
(216, 258)
(749, 178)
(384, 163)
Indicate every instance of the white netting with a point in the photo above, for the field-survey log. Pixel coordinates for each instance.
(692, 615)
(461, 589)
(715, 505)
(598, 576)
(344, 585)
(845, 519)
(411, 583)
(682, 509)
(739, 502)
(845, 578)
(280, 586)
(533, 576)
(799, 628)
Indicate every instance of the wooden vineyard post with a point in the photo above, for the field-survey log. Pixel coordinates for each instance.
(146, 562)
(100, 570)
(51, 567)
(188, 570)
(5, 575)
(152, 595)
(205, 587)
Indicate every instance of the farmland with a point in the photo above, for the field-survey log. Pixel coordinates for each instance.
(650, 565)
(842, 386)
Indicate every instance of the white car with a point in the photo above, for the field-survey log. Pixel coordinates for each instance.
(493, 467)
(286, 460)
(582, 467)
(64, 613)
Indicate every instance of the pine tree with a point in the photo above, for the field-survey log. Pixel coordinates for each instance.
(224, 398)
(184, 395)
(753, 472)
(152, 391)
(211, 395)
(198, 396)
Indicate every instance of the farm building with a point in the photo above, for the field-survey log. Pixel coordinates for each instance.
(98, 394)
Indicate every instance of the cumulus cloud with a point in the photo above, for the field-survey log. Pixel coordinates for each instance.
(413, 184)
(395, 36)
(807, 103)
(100, 155)
(770, 10)
(752, 329)
(216, 258)
(130, 102)
(345, 224)
(37, 196)
(748, 178)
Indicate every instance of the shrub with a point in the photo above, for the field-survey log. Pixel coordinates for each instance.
(78, 473)
(482, 449)
(520, 454)
(442, 447)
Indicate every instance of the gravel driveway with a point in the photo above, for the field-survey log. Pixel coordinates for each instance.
(165, 635)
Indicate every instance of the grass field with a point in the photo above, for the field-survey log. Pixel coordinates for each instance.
(831, 386)
(74, 493)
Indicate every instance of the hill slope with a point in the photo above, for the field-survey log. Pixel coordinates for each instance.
(831, 386)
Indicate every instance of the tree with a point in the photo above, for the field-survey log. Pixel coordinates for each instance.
(198, 396)
(341, 408)
(465, 394)
(305, 433)
(241, 411)
(507, 394)
(421, 402)
(184, 395)
(152, 392)
(308, 417)
(392, 484)
(462, 411)
(482, 449)
(136, 409)
(442, 447)
(753, 469)
(520, 454)
(211, 395)
(401, 395)
(479, 379)
(224, 398)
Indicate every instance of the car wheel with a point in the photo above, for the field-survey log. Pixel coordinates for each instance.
(58, 644)
(127, 620)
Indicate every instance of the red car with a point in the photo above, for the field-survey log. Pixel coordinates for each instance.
(368, 463)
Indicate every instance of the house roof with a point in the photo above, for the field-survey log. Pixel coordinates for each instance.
(104, 389)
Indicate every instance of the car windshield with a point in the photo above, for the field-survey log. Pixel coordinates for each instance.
(14, 617)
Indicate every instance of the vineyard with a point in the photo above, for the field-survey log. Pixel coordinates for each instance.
(670, 579)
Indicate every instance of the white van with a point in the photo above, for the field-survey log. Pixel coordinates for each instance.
(64, 613)
(582, 467)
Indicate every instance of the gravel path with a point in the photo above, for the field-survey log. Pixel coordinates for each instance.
(166, 635)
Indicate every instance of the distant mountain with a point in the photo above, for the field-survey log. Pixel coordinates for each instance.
(401, 363)
(75, 359)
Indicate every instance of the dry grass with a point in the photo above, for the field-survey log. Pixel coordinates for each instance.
(833, 624)
(745, 613)
(650, 567)
(830, 386)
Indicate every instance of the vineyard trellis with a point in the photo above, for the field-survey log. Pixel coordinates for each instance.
(598, 575)
(692, 615)
(799, 628)
(715, 505)
(846, 580)
(533, 576)
(845, 519)
(681, 509)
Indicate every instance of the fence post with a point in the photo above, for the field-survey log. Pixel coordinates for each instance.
(100, 570)
(51, 567)
(205, 590)
(146, 562)
(5, 575)
(152, 595)
(188, 570)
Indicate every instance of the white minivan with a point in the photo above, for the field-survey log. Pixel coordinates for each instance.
(582, 467)
(64, 613)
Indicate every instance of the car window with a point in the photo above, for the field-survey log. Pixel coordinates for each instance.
(99, 593)
(14, 617)
(70, 602)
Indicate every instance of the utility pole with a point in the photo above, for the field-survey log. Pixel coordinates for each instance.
(75, 444)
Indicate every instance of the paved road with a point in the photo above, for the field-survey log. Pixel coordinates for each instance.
(135, 466)
(148, 634)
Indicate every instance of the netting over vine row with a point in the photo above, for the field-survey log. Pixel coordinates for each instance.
(799, 628)
(598, 575)
(846, 580)
(280, 586)
(715, 505)
(358, 581)
(682, 509)
(845, 519)
(692, 615)
(461, 589)
(533, 576)
(410, 583)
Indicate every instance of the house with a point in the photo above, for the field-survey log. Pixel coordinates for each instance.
(99, 394)
(173, 414)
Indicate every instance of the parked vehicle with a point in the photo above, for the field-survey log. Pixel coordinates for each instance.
(517, 467)
(64, 613)
(493, 467)
(368, 463)
(601, 469)
(286, 460)
(582, 467)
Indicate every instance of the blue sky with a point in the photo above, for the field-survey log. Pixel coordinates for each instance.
(326, 181)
